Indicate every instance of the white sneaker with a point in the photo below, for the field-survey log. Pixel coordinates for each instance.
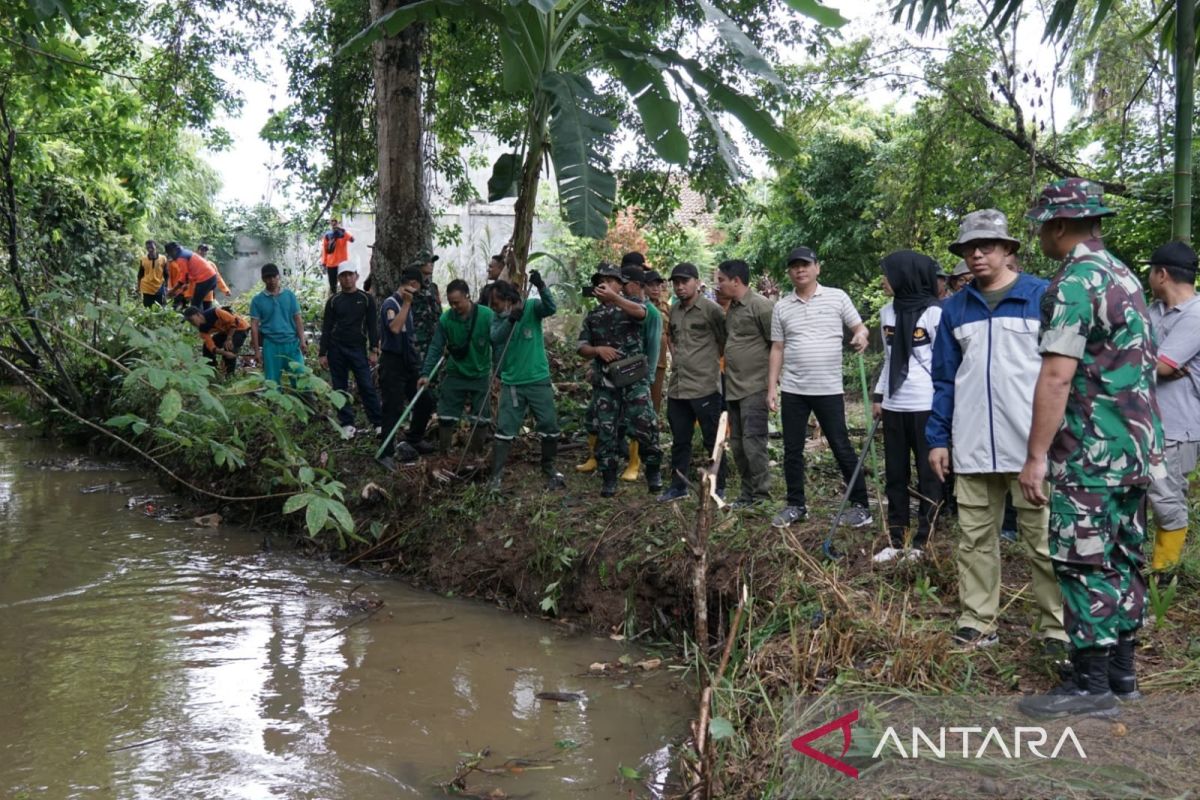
(348, 431)
(888, 554)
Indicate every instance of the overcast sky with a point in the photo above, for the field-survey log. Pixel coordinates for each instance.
(245, 171)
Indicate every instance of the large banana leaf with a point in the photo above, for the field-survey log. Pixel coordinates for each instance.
(655, 105)
(586, 187)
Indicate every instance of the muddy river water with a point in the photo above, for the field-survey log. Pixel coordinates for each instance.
(149, 659)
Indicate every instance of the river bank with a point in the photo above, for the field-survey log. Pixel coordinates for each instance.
(812, 627)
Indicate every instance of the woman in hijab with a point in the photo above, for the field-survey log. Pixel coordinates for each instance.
(904, 396)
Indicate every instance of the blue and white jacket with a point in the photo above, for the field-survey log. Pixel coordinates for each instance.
(985, 367)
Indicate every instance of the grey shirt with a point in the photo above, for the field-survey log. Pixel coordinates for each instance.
(697, 341)
(1178, 332)
(812, 332)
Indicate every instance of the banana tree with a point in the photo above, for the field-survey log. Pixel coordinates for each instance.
(550, 51)
(1175, 23)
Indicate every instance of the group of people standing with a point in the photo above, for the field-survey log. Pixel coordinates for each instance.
(996, 386)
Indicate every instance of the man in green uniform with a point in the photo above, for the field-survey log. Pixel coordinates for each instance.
(464, 334)
(519, 352)
(612, 336)
(1097, 434)
(634, 277)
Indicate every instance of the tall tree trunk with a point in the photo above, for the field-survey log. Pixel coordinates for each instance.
(523, 210)
(1185, 102)
(403, 224)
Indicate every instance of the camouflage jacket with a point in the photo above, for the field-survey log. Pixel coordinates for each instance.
(1094, 312)
(426, 311)
(610, 326)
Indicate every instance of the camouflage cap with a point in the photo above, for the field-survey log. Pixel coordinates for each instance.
(1070, 198)
(607, 271)
(988, 224)
(427, 257)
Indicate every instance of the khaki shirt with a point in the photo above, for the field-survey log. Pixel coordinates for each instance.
(748, 346)
(697, 339)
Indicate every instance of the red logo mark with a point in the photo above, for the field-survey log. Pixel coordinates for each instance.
(844, 722)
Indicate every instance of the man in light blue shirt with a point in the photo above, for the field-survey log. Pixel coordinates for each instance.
(277, 328)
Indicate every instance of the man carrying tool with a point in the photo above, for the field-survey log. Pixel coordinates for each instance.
(277, 328)
(1175, 317)
(464, 335)
(223, 333)
(984, 370)
(612, 336)
(519, 355)
(1097, 434)
(694, 391)
(399, 369)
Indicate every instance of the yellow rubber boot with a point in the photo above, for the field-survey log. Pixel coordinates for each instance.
(635, 463)
(1168, 547)
(589, 465)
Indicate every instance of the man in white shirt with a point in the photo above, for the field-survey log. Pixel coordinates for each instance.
(807, 329)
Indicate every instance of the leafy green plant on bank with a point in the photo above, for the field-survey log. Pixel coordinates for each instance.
(179, 409)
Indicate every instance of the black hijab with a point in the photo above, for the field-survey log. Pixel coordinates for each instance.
(913, 277)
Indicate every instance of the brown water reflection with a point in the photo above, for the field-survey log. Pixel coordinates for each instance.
(225, 673)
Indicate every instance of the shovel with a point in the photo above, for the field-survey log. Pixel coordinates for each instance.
(407, 411)
(868, 447)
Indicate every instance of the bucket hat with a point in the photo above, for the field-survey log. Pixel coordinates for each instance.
(990, 223)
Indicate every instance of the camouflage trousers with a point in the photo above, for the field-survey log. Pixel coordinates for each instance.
(625, 411)
(1096, 540)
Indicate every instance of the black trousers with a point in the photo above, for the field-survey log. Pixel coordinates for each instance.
(398, 385)
(333, 284)
(203, 289)
(150, 300)
(903, 441)
(682, 416)
(830, 410)
(224, 342)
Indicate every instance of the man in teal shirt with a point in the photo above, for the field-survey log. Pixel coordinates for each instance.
(464, 334)
(277, 329)
(520, 355)
(652, 328)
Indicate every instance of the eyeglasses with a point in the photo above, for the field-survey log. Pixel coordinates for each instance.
(986, 247)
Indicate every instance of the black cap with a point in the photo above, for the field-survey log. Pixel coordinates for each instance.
(653, 277)
(801, 254)
(269, 270)
(412, 274)
(606, 271)
(632, 273)
(633, 258)
(685, 270)
(1174, 254)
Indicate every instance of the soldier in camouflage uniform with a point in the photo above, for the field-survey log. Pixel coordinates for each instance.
(611, 332)
(1096, 432)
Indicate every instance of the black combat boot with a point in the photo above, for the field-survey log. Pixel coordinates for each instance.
(1087, 694)
(554, 478)
(654, 479)
(610, 483)
(499, 459)
(1122, 676)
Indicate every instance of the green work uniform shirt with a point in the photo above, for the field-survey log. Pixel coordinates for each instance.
(747, 345)
(652, 327)
(697, 340)
(451, 334)
(1094, 312)
(525, 357)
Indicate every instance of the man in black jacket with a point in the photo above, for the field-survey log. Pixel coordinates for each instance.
(350, 343)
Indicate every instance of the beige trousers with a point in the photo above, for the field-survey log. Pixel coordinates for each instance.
(980, 515)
